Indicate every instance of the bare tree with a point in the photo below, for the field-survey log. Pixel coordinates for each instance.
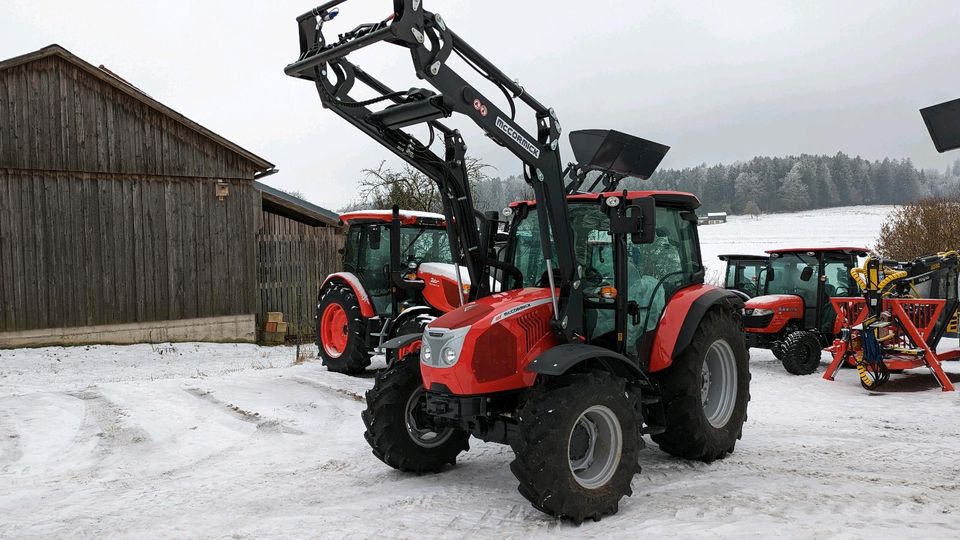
(383, 187)
(924, 227)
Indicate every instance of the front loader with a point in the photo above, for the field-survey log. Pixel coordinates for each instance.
(603, 331)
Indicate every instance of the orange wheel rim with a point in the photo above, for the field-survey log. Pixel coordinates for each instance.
(333, 330)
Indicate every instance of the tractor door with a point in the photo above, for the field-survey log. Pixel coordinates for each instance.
(373, 264)
(835, 281)
(656, 271)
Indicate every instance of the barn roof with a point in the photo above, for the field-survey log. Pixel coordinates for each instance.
(293, 207)
(122, 85)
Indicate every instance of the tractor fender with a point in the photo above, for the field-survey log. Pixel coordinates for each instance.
(404, 316)
(400, 342)
(404, 344)
(558, 360)
(681, 318)
(351, 280)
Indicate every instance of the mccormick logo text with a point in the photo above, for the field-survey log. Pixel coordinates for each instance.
(518, 138)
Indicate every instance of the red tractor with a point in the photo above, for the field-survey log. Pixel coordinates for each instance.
(398, 274)
(793, 317)
(602, 330)
(743, 274)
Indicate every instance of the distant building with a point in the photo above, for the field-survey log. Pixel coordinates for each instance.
(712, 218)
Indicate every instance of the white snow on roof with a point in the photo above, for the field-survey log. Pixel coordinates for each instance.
(403, 213)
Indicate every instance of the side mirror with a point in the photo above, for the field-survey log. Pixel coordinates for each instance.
(375, 234)
(770, 275)
(637, 217)
(806, 273)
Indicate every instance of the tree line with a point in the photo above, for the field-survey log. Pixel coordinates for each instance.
(760, 185)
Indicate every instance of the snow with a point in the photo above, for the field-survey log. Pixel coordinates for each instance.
(845, 226)
(240, 441)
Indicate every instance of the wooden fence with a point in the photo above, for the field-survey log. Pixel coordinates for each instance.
(293, 260)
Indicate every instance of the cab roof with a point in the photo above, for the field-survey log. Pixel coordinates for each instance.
(686, 200)
(407, 217)
(859, 251)
(740, 257)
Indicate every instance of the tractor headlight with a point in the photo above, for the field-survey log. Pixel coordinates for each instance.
(762, 312)
(447, 342)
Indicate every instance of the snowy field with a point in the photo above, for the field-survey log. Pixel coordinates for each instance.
(240, 441)
(852, 226)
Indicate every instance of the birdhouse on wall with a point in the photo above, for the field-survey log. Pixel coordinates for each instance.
(223, 189)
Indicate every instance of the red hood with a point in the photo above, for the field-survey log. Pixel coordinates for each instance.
(497, 306)
(770, 301)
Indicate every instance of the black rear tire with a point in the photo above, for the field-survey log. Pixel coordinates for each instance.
(689, 432)
(399, 436)
(355, 357)
(777, 349)
(801, 353)
(551, 430)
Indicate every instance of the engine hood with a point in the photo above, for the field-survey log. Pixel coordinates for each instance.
(495, 307)
(771, 301)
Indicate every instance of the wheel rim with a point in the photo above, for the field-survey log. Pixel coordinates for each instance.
(334, 330)
(594, 447)
(423, 436)
(718, 386)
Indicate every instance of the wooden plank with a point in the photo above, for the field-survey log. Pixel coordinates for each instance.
(126, 266)
(6, 248)
(78, 255)
(174, 251)
(150, 256)
(220, 241)
(137, 247)
(53, 277)
(190, 252)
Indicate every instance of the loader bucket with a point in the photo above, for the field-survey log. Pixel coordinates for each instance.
(943, 123)
(616, 152)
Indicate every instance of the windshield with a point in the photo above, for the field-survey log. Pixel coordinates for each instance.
(788, 273)
(425, 244)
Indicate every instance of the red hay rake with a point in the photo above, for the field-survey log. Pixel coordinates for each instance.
(904, 334)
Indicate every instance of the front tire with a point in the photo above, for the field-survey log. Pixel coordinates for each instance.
(801, 353)
(577, 445)
(340, 331)
(706, 390)
(399, 431)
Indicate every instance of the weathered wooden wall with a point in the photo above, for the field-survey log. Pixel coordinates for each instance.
(293, 261)
(56, 116)
(80, 249)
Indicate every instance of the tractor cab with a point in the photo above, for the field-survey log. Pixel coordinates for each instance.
(421, 238)
(744, 273)
(793, 316)
(638, 275)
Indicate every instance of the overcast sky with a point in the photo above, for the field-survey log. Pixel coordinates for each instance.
(716, 81)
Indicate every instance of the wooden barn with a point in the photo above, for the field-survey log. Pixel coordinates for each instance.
(123, 221)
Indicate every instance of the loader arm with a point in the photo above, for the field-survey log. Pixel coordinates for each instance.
(431, 43)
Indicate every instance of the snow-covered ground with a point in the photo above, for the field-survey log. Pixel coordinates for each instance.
(239, 441)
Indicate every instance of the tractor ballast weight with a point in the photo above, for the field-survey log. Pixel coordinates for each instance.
(897, 324)
(611, 276)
